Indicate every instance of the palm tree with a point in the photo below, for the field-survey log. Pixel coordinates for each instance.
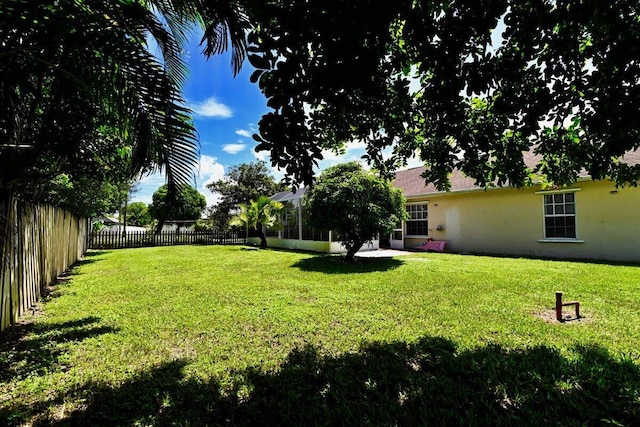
(259, 214)
(77, 83)
(77, 72)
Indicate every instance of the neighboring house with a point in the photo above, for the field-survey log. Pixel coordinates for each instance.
(178, 225)
(112, 225)
(295, 234)
(588, 220)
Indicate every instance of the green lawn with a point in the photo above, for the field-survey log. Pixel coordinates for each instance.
(200, 335)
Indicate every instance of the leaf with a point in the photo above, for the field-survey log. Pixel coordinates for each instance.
(255, 76)
(259, 62)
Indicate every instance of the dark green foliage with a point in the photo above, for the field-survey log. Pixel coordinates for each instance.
(242, 183)
(189, 204)
(491, 80)
(78, 83)
(138, 214)
(83, 100)
(355, 204)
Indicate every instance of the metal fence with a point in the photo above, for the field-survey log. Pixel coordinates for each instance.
(139, 239)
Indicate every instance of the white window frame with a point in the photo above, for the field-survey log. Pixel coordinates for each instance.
(545, 216)
(406, 233)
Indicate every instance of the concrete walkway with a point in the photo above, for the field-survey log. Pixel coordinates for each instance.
(382, 253)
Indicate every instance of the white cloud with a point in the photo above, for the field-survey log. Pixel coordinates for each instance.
(244, 132)
(352, 151)
(261, 155)
(233, 148)
(210, 170)
(147, 186)
(278, 174)
(414, 162)
(211, 107)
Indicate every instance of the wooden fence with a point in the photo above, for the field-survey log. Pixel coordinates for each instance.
(138, 239)
(37, 243)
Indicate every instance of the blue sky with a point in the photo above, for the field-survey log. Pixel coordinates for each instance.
(227, 111)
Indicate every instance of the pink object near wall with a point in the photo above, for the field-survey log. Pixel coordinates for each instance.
(432, 245)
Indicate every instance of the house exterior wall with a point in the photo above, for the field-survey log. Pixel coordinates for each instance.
(311, 245)
(511, 222)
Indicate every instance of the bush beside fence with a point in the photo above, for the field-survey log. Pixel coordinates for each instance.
(37, 244)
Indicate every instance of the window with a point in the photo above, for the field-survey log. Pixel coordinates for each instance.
(417, 222)
(560, 215)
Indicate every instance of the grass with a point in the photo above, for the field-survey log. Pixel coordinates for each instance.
(201, 335)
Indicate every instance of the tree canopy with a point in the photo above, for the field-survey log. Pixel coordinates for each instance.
(138, 214)
(189, 205)
(82, 98)
(355, 204)
(466, 85)
(242, 183)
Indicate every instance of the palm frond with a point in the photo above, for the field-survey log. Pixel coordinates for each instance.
(76, 70)
(226, 22)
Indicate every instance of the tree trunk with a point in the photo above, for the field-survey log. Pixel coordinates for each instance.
(351, 252)
(160, 225)
(263, 238)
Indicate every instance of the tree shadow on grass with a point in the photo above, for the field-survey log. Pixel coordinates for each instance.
(34, 348)
(90, 257)
(429, 382)
(331, 264)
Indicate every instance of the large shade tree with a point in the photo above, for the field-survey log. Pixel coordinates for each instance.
(189, 206)
(138, 214)
(470, 85)
(355, 204)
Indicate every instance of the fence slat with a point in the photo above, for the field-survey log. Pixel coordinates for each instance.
(37, 243)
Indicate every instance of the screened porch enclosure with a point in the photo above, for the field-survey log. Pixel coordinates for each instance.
(295, 233)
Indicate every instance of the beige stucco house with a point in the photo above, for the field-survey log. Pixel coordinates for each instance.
(588, 220)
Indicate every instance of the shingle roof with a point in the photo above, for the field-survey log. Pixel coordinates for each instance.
(285, 196)
(412, 183)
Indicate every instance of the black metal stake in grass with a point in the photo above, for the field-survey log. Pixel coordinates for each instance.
(560, 304)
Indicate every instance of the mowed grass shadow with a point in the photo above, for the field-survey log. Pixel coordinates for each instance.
(428, 382)
(90, 257)
(332, 264)
(35, 348)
